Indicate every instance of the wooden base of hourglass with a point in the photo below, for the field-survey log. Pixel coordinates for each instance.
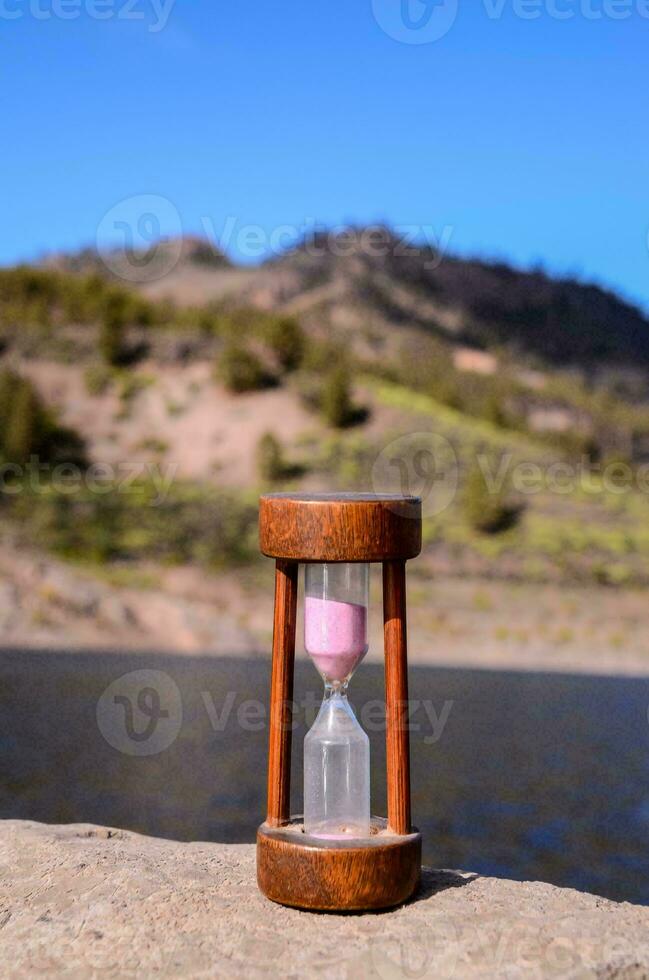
(293, 868)
(377, 872)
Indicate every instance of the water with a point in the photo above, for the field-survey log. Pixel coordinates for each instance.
(529, 776)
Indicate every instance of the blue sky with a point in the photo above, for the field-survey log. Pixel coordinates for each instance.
(514, 135)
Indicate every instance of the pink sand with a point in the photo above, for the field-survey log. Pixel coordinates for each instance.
(334, 836)
(335, 636)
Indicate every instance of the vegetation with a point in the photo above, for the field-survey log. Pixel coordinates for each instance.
(336, 402)
(602, 424)
(114, 322)
(240, 370)
(270, 458)
(48, 298)
(97, 379)
(188, 524)
(487, 507)
(560, 321)
(28, 429)
(42, 300)
(335, 399)
(600, 537)
(287, 341)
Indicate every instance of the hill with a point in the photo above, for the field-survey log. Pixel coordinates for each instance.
(367, 281)
(368, 286)
(159, 422)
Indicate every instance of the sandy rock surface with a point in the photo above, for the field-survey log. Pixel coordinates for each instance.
(82, 901)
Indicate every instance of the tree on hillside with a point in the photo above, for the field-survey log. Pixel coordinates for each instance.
(336, 400)
(28, 429)
(9, 382)
(26, 424)
(111, 337)
(286, 339)
(240, 370)
(270, 458)
(488, 509)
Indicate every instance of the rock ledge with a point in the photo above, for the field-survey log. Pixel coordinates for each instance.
(84, 901)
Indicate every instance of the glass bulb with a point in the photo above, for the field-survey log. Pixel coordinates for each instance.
(336, 749)
(335, 618)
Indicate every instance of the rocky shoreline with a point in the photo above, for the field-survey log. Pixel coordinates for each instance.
(84, 901)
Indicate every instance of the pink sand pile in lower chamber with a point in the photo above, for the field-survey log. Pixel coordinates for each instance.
(335, 636)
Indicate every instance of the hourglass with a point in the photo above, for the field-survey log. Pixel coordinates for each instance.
(337, 857)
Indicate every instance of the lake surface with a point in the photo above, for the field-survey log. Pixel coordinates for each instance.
(529, 776)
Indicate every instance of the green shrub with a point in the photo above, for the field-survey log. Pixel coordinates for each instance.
(240, 370)
(111, 337)
(133, 384)
(336, 401)
(208, 323)
(48, 297)
(270, 458)
(9, 382)
(153, 445)
(286, 339)
(487, 509)
(26, 426)
(28, 429)
(186, 524)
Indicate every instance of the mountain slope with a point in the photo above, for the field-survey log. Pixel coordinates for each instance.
(369, 282)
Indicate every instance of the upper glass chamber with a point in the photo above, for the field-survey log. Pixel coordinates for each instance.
(335, 618)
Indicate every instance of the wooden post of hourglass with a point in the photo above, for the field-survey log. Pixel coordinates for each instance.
(281, 694)
(294, 868)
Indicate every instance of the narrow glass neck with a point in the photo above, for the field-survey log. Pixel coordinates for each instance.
(335, 689)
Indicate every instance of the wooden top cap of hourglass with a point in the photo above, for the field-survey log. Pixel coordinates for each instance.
(340, 527)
